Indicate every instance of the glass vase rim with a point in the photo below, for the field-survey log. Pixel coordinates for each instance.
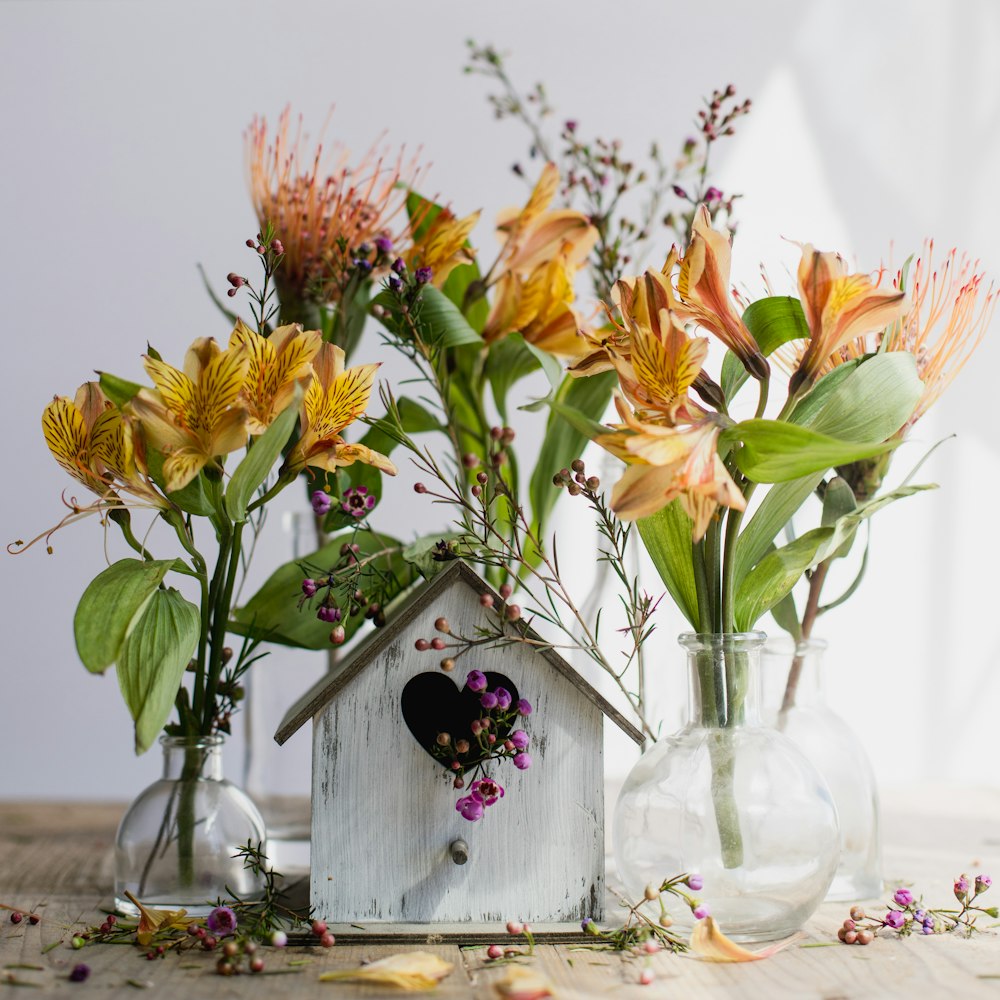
(200, 742)
(742, 641)
(786, 644)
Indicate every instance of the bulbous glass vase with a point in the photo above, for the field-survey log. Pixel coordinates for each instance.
(176, 842)
(732, 800)
(796, 706)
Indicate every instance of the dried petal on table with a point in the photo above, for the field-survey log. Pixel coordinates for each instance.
(151, 921)
(413, 971)
(710, 944)
(523, 984)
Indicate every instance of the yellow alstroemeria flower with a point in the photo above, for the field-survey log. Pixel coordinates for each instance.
(195, 415)
(703, 290)
(335, 398)
(838, 307)
(442, 247)
(542, 251)
(669, 463)
(89, 438)
(278, 362)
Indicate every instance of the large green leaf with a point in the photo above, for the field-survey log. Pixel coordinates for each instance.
(511, 359)
(463, 286)
(775, 452)
(564, 441)
(859, 401)
(775, 575)
(773, 321)
(273, 614)
(260, 459)
(441, 323)
(667, 538)
(111, 605)
(152, 661)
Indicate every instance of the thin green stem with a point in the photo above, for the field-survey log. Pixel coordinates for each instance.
(220, 621)
(705, 610)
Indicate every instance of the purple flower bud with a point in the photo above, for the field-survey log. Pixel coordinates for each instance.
(520, 739)
(476, 681)
(927, 929)
(398, 266)
(277, 246)
(326, 614)
(700, 911)
(235, 280)
(394, 283)
(695, 883)
(903, 897)
(364, 266)
(928, 921)
(222, 921)
(895, 919)
(80, 973)
(920, 916)
(383, 244)
(309, 587)
(488, 700)
(571, 125)
(503, 698)
(423, 275)
(713, 194)
(983, 882)
(321, 503)
(679, 191)
(522, 761)
(961, 888)
(523, 706)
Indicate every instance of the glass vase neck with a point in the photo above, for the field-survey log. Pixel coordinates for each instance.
(793, 672)
(724, 686)
(192, 757)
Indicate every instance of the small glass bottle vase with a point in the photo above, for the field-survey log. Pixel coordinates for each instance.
(176, 842)
(796, 706)
(732, 800)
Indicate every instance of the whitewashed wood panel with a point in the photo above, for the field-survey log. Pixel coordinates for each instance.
(384, 812)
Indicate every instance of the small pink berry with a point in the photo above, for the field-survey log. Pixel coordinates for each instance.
(257, 965)
(327, 940)
(279, 939)
(486, 600)
(651, 947)
(16, 917)
(515, 927)
(319, 927)
(419, 488)
(513, 612)
(646, 977)
(494, 951)
(437, 644)
(506, 590)
(421, 645)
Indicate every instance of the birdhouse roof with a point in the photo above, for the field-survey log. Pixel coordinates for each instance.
(329, 686)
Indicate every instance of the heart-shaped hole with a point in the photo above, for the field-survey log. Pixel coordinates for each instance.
(432, 704)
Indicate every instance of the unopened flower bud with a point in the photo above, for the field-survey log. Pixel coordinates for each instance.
(447, 664)
(513, 612)
(443, 739)
(651, 893)
(486, 600)
(461, 746)
(338, 636)
(578, 465)
(277, 246)
(441, 624)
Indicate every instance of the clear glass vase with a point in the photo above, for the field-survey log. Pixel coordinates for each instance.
(796, 706)
(176, 842)
(732, 800)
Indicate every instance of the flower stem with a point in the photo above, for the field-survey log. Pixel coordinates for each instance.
(808, 620)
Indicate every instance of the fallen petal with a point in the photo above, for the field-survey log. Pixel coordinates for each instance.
(412, 971)
(523, 984)
(709, 943)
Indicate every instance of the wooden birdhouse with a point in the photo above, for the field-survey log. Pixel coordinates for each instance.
(390, 842)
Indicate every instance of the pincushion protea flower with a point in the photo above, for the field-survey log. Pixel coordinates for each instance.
(323, 208)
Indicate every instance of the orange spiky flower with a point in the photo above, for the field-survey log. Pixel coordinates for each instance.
(322, 208)
(945, 323)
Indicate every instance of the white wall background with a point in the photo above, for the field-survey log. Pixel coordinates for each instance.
(123, 167)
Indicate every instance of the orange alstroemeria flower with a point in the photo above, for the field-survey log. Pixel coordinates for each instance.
(90, 439)
(278, 363)
(703, 290)
(194, 416)
(335, 398)
(670, 463)
(838, 308)
(543, 249)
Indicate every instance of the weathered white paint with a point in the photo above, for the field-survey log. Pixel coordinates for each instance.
(384, 812)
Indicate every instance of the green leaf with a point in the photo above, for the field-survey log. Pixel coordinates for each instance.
(475, 306)
(260, 458)
(775, 452)
(871, 403)
(549, 363)
(838, 501)
(152, 661)
(192, 499)
(511, 359)
(786, 616)
(773, 321)
(564, 441)
(775, 575)
(441, 323)
(667, 538)
(119, 390)
(111, 605)
(419, 207)
(273, 614)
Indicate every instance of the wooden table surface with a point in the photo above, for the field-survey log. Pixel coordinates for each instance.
(55, 859)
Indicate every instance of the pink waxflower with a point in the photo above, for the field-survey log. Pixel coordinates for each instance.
(522, 761)
(476, 681)
(357, 501)
(470, 807)
(486, 790)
